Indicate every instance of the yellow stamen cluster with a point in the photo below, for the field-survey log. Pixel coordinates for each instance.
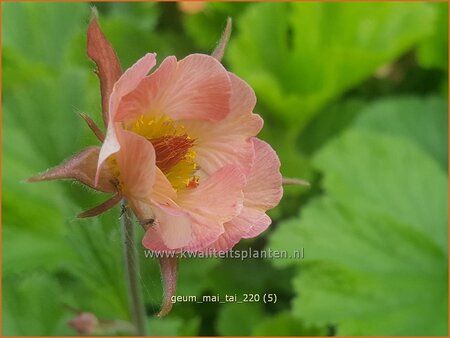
(176, 157)
(156, 127)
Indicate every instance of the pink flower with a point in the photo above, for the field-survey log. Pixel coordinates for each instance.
(180, 146)
(181, 141)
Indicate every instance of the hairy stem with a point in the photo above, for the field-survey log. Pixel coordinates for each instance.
(137, 309)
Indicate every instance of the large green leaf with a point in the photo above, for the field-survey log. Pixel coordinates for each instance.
(397, 179)
(41, 31)
(45, 110)
(98, 270)
(284, 324)
(26, 251)
(41, 129)
(172, 326)
(163, 326)
(433, 52)
(206, 27)
(237, 319)
(33, 305)
(328, 123)
(422, 121)
(299, 56)
(33, 218)
(376, 244)
(132, 42)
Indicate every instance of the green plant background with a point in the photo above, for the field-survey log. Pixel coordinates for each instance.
(354, 97)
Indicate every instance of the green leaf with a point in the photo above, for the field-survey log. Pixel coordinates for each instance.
(423, 121)
(376, 243)
(132, 42)
(41, 130)
(299, 56)
(359, 304)
(398, 179)
(190, 326)
(168, 326)
(284, 324)
(143, 15)
(33, 218)
(25, 251)
(328, 123)
(206, 27)
(18, 70)
(44, 207)
(46, 110)
(32, 306)
(101, 289)
(173, 326)
(234, 275)
(192, 273)
(41, 31)
(237, 319)
(433, 52)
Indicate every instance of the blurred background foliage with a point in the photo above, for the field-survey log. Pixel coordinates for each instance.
(354, 97)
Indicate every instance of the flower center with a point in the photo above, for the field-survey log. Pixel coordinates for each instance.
(173, 148)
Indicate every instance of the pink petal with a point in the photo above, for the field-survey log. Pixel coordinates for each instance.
(258, 226)
(109, 147)
(228, 142)
(262, 192)
(104, 56)
(173, 227)
(201, 89)
(218, 198)
(127, 83)
(142, 99)
(136, 163)
(230, 237)
(215, 201)
(81, 167)
(163, 192)
(264, 185)
(243, 99)
(203, 233)
(249, 223)
(197, 87)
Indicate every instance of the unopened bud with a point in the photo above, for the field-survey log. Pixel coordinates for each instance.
(85, 323)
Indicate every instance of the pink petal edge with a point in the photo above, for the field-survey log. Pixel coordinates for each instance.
(136, 164)
(262, 192)
(127, 83)
(196, 87)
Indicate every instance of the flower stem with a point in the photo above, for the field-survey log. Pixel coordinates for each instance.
(136, 303)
